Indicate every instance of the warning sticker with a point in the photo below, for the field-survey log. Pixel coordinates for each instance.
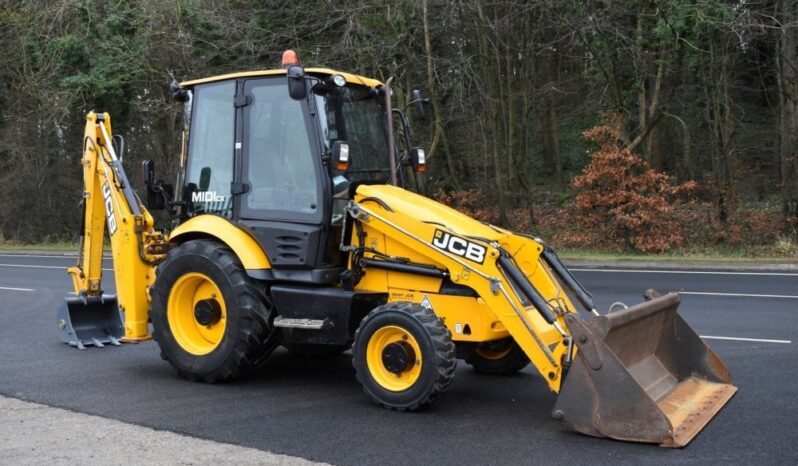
(426, 302)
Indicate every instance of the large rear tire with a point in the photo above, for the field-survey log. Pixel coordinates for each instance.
(211, 321)
(499, 357)
(403, 356)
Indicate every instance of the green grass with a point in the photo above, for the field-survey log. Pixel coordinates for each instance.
(52, 247)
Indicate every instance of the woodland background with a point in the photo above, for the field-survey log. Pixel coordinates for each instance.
(598, 124)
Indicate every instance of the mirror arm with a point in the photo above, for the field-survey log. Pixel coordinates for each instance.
(405, 128)
(423, 100)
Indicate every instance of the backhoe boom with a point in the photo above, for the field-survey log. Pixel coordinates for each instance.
(111, 206)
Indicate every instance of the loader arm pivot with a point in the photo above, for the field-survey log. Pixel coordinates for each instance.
(110, 205)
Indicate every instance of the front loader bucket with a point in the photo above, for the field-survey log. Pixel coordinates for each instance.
(90, 321)
(642, 375)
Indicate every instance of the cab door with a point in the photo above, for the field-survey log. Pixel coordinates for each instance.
(210, 169)
(285, 200)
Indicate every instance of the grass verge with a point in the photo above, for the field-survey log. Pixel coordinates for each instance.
(52, 247)
(705, 255)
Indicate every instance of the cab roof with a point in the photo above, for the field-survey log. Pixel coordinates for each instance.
(350, 78)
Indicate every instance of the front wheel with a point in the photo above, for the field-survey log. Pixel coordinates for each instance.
(211, 321)
(403, 356)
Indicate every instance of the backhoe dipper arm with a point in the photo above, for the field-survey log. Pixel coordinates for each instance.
(109, 201)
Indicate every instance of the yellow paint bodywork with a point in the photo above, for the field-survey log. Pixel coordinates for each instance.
(350, 78)
(249, 252)
(403, 225)
(469, 319)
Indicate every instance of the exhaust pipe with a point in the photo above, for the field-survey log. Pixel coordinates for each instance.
(642, 374)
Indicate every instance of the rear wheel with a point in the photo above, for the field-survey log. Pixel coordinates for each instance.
(498, 357)
(403, 356)
(211, 321)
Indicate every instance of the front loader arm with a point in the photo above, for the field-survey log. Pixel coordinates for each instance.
(509, 263)
(111, 205)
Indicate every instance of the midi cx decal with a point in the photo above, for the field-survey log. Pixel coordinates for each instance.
(459, 246)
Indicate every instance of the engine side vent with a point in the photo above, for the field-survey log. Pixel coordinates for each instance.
(290, 249)
(288, 245)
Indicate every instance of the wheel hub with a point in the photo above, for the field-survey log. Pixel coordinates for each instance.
(398, 357)
(207, 312)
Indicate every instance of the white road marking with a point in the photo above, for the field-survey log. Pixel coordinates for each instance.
(15, 289)
(758, 340)
(33, 266)
(701, 272)
(743, 295)
(49, 256)
(42, 267)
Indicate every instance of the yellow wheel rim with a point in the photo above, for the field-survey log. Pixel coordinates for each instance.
(493, 351)
(381, 340)
(187, 293)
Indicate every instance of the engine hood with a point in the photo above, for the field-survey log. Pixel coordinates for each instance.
(427, 211)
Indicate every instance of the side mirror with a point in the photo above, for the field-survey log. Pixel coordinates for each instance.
(205, 178)
(148, 173)
(296, 82)
(340, 186)
(419, 159)
(419, 103)
(340, 155)
(178, 93)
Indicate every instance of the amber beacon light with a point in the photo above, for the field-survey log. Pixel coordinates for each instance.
(290, 58)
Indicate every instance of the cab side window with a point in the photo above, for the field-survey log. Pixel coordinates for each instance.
(280, 167)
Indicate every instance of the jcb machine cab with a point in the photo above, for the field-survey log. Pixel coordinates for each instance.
(297, 222)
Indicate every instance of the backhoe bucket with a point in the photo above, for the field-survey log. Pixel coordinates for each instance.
(642, 375)
(92, 320)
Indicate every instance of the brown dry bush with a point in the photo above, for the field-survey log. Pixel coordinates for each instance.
(622, 201)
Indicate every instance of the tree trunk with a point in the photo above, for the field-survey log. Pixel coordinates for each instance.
(551, 139)
(439, 135)
(787, 78)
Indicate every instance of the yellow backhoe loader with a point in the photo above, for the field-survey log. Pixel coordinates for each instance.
(297, 222)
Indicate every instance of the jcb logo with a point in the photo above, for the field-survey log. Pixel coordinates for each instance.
(109, 209)
(460, 246)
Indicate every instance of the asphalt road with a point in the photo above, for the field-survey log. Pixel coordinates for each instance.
(315, 409)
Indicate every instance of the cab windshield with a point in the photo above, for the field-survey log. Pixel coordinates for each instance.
(355, 114)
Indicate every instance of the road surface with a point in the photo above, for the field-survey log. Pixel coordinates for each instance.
(314, 409)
